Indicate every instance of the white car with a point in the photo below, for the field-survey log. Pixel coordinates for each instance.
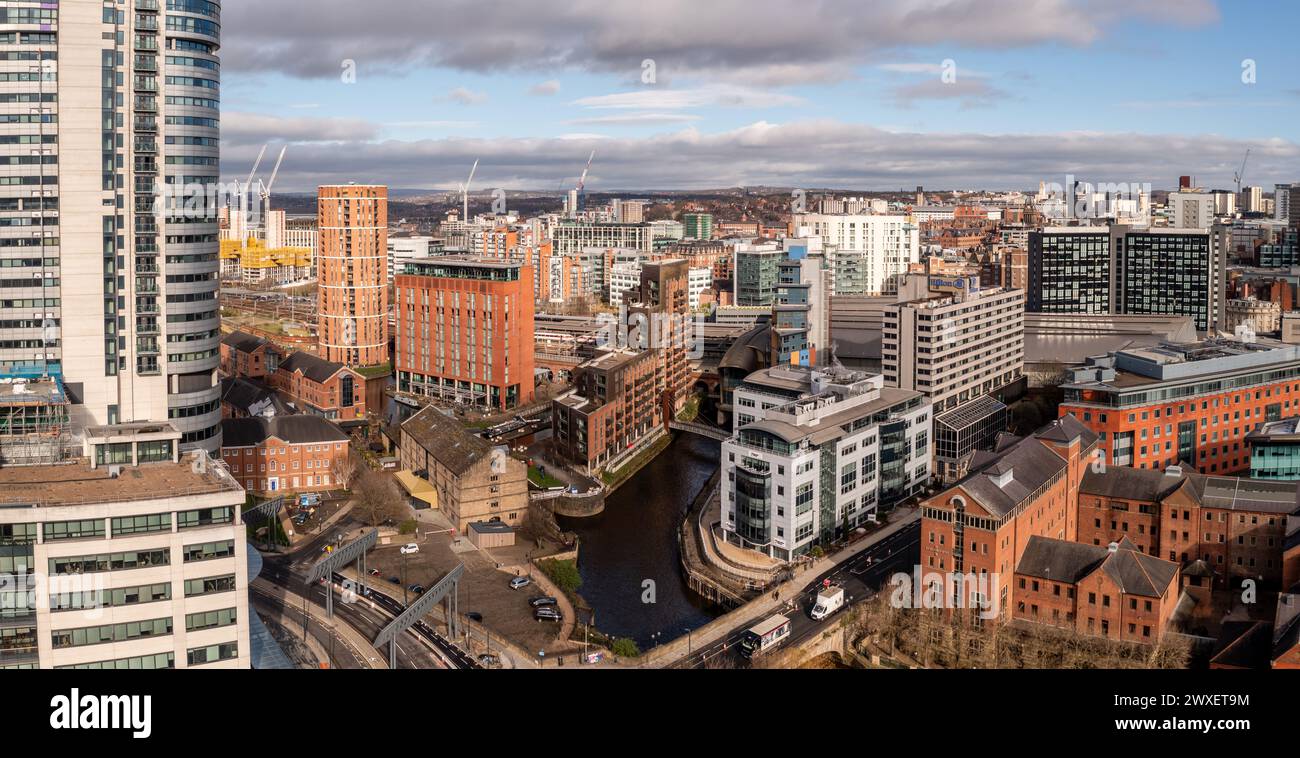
(410, 548)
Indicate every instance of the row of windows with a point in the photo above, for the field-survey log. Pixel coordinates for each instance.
(135, 559)
(96, 635)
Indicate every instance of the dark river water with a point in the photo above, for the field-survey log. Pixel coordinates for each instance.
(635, 539)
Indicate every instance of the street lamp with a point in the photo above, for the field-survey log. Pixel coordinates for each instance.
(688, 642)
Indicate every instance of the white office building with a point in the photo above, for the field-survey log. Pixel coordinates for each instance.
(697, 281)
(963, 347)
(868, 254)
(408, 248)
(135, 558)
(815, 453)
(1191, 210)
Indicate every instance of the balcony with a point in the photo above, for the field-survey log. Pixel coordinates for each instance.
(148, 6)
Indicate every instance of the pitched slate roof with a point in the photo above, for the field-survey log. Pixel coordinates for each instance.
(1030, 463)
(1137, 573)
(446, 440)
(1227, 492)
(1059, 560)
(314, 368)
(243, 341)
(1134, 572)
(245, 395)
(295, 430)
(1067, 429)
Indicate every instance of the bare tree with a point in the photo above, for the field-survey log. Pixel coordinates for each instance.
(375, 499)
(346, 469)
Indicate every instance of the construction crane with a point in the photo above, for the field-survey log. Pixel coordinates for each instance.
(464, 192)
(1241, 172)
(582, 184)
(266, 188)
(248, 183)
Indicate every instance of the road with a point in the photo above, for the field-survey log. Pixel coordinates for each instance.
(862, 577)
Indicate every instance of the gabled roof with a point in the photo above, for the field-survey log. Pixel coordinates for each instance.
(1226, 492)
(1067, 429)
(295, 430)
(243, 341)
(247, 396)
(446, 440)
(1137, 573)
(314, 368)
(1134, 572)
(1060, 560)
(1031, 465)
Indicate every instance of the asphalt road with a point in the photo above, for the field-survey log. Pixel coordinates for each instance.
(862, 576)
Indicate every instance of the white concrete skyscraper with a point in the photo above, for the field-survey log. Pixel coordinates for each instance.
(107, 108)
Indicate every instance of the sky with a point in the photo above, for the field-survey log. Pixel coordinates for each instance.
(697, 94)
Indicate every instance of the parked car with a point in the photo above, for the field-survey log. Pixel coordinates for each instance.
(395, 580)
(542, 600)
(546, 613)
(519, 582)
(474, 616)
(410, 548)
(417, 589)
(490, 660)
(374, 572)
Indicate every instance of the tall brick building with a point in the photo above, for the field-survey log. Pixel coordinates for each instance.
(352, 269)
(1236, 526)
(465, 331)
(1028, 487)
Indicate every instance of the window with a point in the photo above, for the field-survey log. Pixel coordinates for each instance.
(209, 585)
(208, 551)
(209, 619)
(95, 635)
(223, 652)
(74, 530)
(154, 522)
(205, 517)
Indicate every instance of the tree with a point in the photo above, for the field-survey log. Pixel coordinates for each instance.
(375, 499)
(625, 648)
(346, 469)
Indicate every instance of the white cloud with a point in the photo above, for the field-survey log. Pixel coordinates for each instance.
(651, 98)
(548, 87)
(467, 97)
(799, 154)
(761, 42)
(635, 119)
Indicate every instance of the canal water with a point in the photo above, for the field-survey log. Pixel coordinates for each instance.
(635, 539)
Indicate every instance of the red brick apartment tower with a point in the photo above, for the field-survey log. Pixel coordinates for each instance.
(352, 269)
(465, 330)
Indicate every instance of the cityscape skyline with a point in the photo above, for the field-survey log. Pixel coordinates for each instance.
(764, 94)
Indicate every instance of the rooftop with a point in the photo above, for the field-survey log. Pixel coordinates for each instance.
(296, 430)
(76, 483)
(313, 367)
(1062, 561)
(1225, 492)
(446, 440)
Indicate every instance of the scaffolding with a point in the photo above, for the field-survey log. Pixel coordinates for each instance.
(35, 422)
